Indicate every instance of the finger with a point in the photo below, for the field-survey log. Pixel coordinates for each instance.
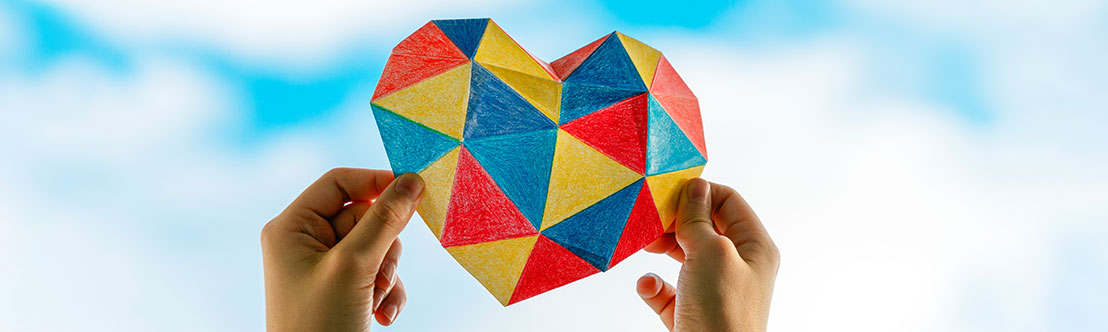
(667, 244)
(345, 220)
(662, 244)
(386, 217)
(386, 276)
(695, 232)
(392, 305)
(677, 254)
(736, 220)
(659, 295)
(330, 192)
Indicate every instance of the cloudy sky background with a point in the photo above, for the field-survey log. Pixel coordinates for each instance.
(923, 167)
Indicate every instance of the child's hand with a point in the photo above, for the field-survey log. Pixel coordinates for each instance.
(330, 258)
(729, 264)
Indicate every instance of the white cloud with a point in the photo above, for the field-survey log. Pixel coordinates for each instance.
(283, 32)
(1039, 60)
(124, 211)
(307, 35)
(79, 108)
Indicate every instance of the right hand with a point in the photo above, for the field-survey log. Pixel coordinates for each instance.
(729, 264)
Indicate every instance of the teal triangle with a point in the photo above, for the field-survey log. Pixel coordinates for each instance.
(594, 233)
(520, 165)
(410, 145)
(496, 109)
(667, 147)
(465, 33)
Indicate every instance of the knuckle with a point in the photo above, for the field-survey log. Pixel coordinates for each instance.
(397, 247)
(764, 252)
(725, 188)
(337, 172)
(342, 260)
(389, 214)
(699, 218)
(767, 247)
(268, 231)
(696, 219)
(721, 244)
(772, 252)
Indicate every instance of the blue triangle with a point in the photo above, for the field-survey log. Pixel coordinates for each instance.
(582, 99)
(593, 233)
(496, 109)
(667, 147)
(465, 33)
(610, 66)
(520, 165)
(409, 145)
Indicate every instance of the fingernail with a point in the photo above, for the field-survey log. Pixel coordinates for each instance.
(653, 287)
(388, 271)
(390, 312)
(410, 185)
(378, 296)
(698, 191)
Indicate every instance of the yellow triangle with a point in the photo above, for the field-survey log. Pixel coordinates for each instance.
(644, 57)
(498, 49)
(438, 179)
(666, 187)
(438, 102)
(580, 176)
(545, 94)
(496, 264)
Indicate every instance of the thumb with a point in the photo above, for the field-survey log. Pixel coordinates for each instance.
(694, 229)
(385, 218)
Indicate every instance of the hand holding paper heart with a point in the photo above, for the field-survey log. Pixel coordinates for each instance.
(331, 256)
(729, 264)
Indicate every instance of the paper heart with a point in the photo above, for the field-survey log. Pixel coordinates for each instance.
(538, 174)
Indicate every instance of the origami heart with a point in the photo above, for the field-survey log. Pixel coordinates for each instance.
(538, 174)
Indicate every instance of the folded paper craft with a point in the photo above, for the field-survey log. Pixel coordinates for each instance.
(538, 174)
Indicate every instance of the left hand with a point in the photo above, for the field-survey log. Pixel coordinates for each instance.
(330, 257)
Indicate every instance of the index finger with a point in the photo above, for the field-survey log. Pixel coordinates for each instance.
(327, 195)
(736, 220)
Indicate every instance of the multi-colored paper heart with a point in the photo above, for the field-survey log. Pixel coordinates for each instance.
(538, 174)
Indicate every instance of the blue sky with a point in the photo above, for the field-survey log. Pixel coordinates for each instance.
(938, 166)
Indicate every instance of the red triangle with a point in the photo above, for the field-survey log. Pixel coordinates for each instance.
(642, 228)
(618, 131)
(668, 83)
(686, 113)
(550, 266)
(545, 66)
(404, 70)
(568, 63)
(429, 41)
(427, 52)
(479, 211)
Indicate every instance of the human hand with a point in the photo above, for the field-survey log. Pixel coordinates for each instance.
(330, 257)
(729, 264)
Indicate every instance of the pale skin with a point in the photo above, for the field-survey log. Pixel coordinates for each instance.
(330, 257)
(729, 264)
